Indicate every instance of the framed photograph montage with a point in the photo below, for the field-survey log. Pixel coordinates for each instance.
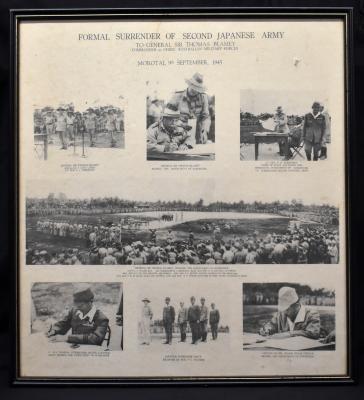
(177, 221)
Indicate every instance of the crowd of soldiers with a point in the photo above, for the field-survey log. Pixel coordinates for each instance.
(298, 245)
(68, 124)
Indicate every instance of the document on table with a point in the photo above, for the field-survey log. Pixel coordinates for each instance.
(291, 343)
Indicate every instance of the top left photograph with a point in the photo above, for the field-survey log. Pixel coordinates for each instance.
(68, 128)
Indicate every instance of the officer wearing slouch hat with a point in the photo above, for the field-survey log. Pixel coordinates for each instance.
(193, 103)
(167, 135)
(88, 324)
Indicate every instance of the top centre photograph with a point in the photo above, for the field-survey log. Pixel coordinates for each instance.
(180, 119)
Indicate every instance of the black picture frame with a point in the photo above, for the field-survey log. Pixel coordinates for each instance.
(346, 13)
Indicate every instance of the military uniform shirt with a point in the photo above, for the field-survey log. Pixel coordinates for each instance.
(191, 106)
(182, 315)
(314, 128)
(194, 313)
(158, 138)
(83, 331)
(204, 313)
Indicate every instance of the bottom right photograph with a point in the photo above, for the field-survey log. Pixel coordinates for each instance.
(288, 316)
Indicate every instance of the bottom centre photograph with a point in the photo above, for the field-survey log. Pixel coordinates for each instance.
(183, 317)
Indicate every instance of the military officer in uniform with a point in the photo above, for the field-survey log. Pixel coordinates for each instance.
(281, 126)
(314, 128)
(182, 320)
(193, 316)
(327, 135)
(111, 127)
(70, 119)
(90, 125)
(214, 321)
(292, 318)
(61, 126)
(204, 317)
(168, 320)
(49, 123)
(193, 103)
(166, 135)
(88, 324)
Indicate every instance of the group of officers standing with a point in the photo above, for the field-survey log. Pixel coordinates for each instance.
(68, 124)
(197, 316)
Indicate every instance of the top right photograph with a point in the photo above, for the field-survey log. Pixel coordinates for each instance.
(284, 125)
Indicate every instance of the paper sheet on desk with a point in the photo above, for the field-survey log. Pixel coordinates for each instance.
(291, 343)
(268, 124)
(42, 342)
(208, 148)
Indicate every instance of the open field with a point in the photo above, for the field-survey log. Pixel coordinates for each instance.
(239, 224)
(55, 153)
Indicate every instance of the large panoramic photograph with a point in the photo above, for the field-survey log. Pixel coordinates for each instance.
(65, 229)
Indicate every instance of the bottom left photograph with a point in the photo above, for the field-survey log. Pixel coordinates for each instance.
(85, 316)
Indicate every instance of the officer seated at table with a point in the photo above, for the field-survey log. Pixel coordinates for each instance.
(169, 134)
(88, 324)
(292, 318)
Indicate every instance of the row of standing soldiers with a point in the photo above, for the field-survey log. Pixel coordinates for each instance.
(69, 124)
(197, 317)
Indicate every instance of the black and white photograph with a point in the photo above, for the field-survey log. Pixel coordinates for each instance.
(183, 316)
(288, 316)
(193, 227)
(77, 316)
(284, 125)
(79, 130)
(180, 119)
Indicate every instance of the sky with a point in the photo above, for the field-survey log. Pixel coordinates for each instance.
(293, 102)
(82, 104)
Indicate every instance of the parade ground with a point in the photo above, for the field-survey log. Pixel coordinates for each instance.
(77, 149)
(200, 223)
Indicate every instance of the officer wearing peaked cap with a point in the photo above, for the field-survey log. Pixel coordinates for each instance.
(193, 103)
(88, 325)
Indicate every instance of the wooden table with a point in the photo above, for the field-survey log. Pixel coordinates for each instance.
(270, 137)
